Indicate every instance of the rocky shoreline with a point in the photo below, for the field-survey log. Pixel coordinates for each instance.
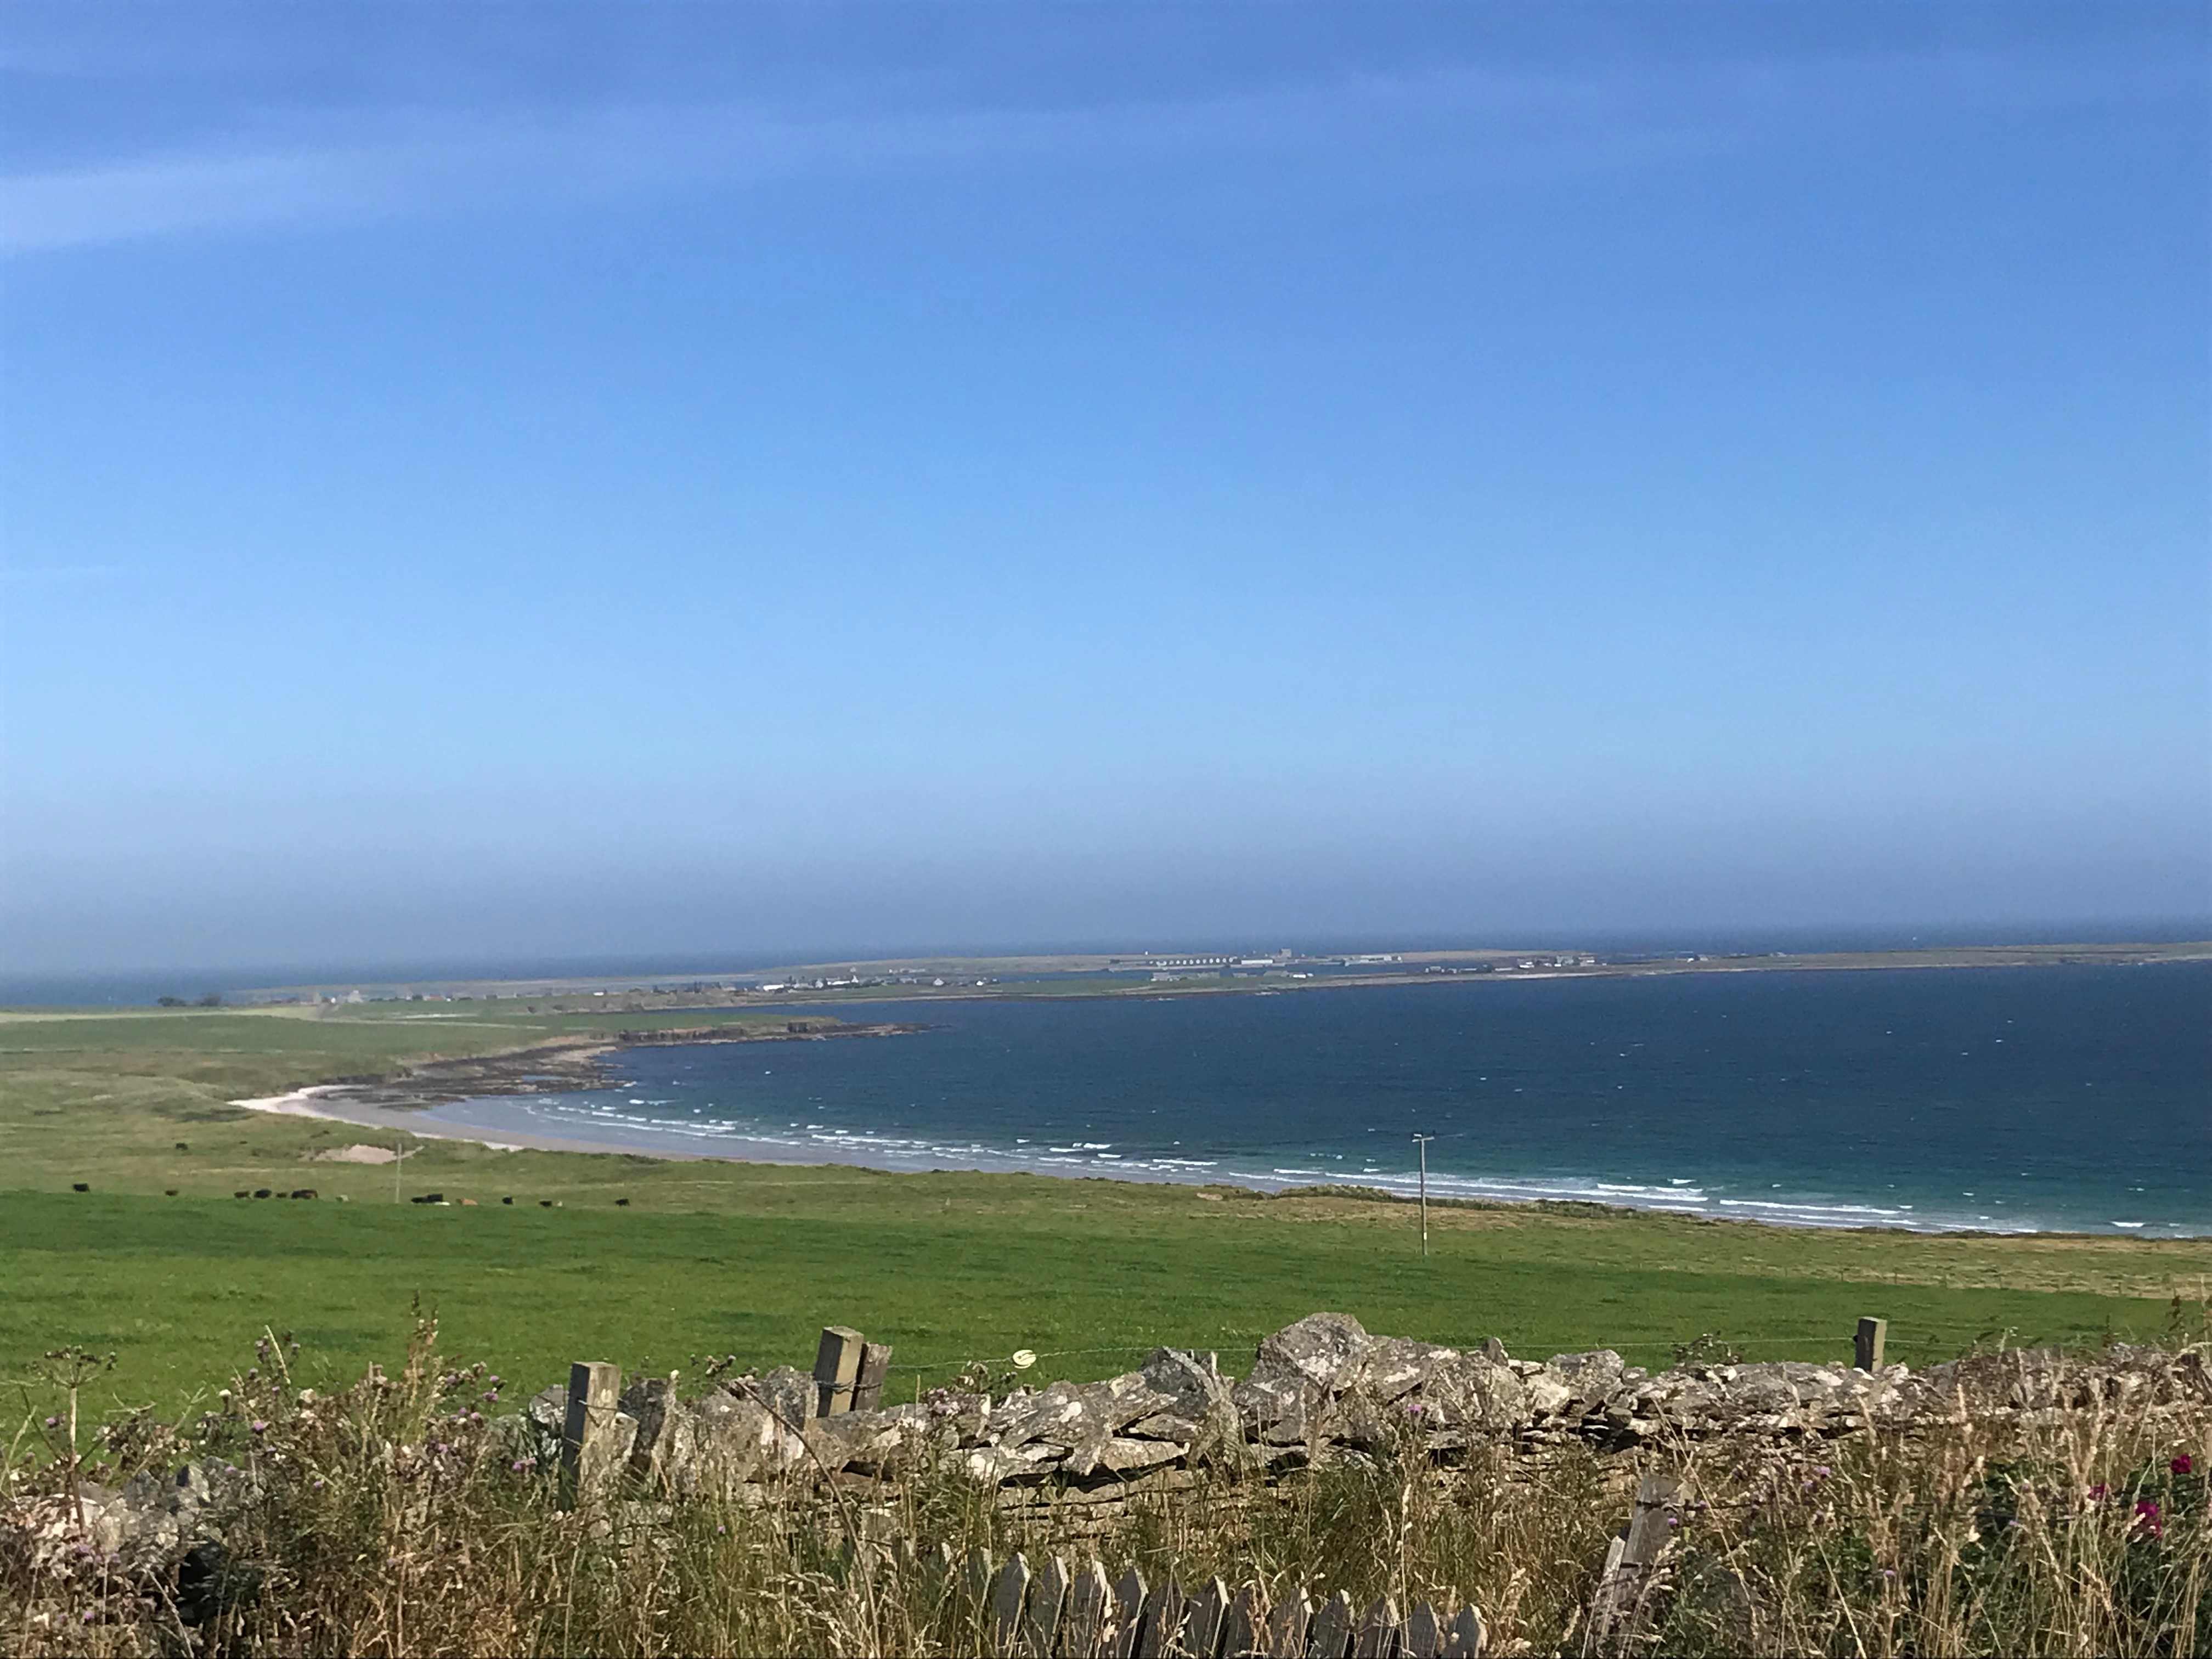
(563, 1064)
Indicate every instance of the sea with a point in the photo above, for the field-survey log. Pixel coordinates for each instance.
(1998, 1099)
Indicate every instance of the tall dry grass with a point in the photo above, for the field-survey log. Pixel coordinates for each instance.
(401, 1517)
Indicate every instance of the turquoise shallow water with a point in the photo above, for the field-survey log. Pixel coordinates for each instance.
(2074, 1098)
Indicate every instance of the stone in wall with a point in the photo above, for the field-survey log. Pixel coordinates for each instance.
(1072, 1424)
(1201, 1413)
(1466, 1400)
(665, 1447)
(736, 1438)
(790, 1393)
(1295, 1374)
(887, 1442)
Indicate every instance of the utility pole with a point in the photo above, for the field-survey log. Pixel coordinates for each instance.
(399, 1158)
(1422, 1141)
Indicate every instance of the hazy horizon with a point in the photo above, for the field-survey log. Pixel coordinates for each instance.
(145, 982)
(678, 483)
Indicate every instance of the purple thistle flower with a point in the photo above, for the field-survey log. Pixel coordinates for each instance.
(2183, 1464)
(260, 1426)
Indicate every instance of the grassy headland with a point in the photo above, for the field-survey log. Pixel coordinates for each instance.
(713, 1257)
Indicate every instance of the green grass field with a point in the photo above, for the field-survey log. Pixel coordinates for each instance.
(718, 1258)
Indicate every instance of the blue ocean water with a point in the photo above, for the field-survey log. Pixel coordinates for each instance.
(2006, 1099)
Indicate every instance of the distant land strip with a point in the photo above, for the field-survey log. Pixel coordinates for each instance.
(1187, 974)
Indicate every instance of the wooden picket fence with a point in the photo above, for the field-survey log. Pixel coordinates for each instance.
(1052, 1613)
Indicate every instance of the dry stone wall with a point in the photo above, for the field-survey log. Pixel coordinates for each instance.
(1321, 1390)
(1325, 1388)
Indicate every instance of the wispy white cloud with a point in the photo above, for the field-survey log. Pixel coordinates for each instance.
(431, 162)
(1480, 123)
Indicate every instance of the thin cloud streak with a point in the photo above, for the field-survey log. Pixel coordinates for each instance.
(1487, 125)
(1530, 126)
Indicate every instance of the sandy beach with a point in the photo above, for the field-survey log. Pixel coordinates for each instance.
(337, 1103)
(501, 1124)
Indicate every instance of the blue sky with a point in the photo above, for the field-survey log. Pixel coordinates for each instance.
(500, 482)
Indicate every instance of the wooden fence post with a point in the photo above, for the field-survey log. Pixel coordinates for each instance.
(1378, 1632)
(1157, 1620)
(1866, 1347)
(875, 1366)
(1331, 1632)
(1209, 1609)
(1010, 1594)
(971, 1602)
(1288, 1623)
(1425, 1633)
(836, 1369)
(1129, 1602)
(1618, 1607)
(1048, 1602)
(1089, 1602)
(1244, 1627)
(588, 1433)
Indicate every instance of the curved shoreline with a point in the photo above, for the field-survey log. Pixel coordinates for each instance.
(487, 1121)
(548, 1067)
